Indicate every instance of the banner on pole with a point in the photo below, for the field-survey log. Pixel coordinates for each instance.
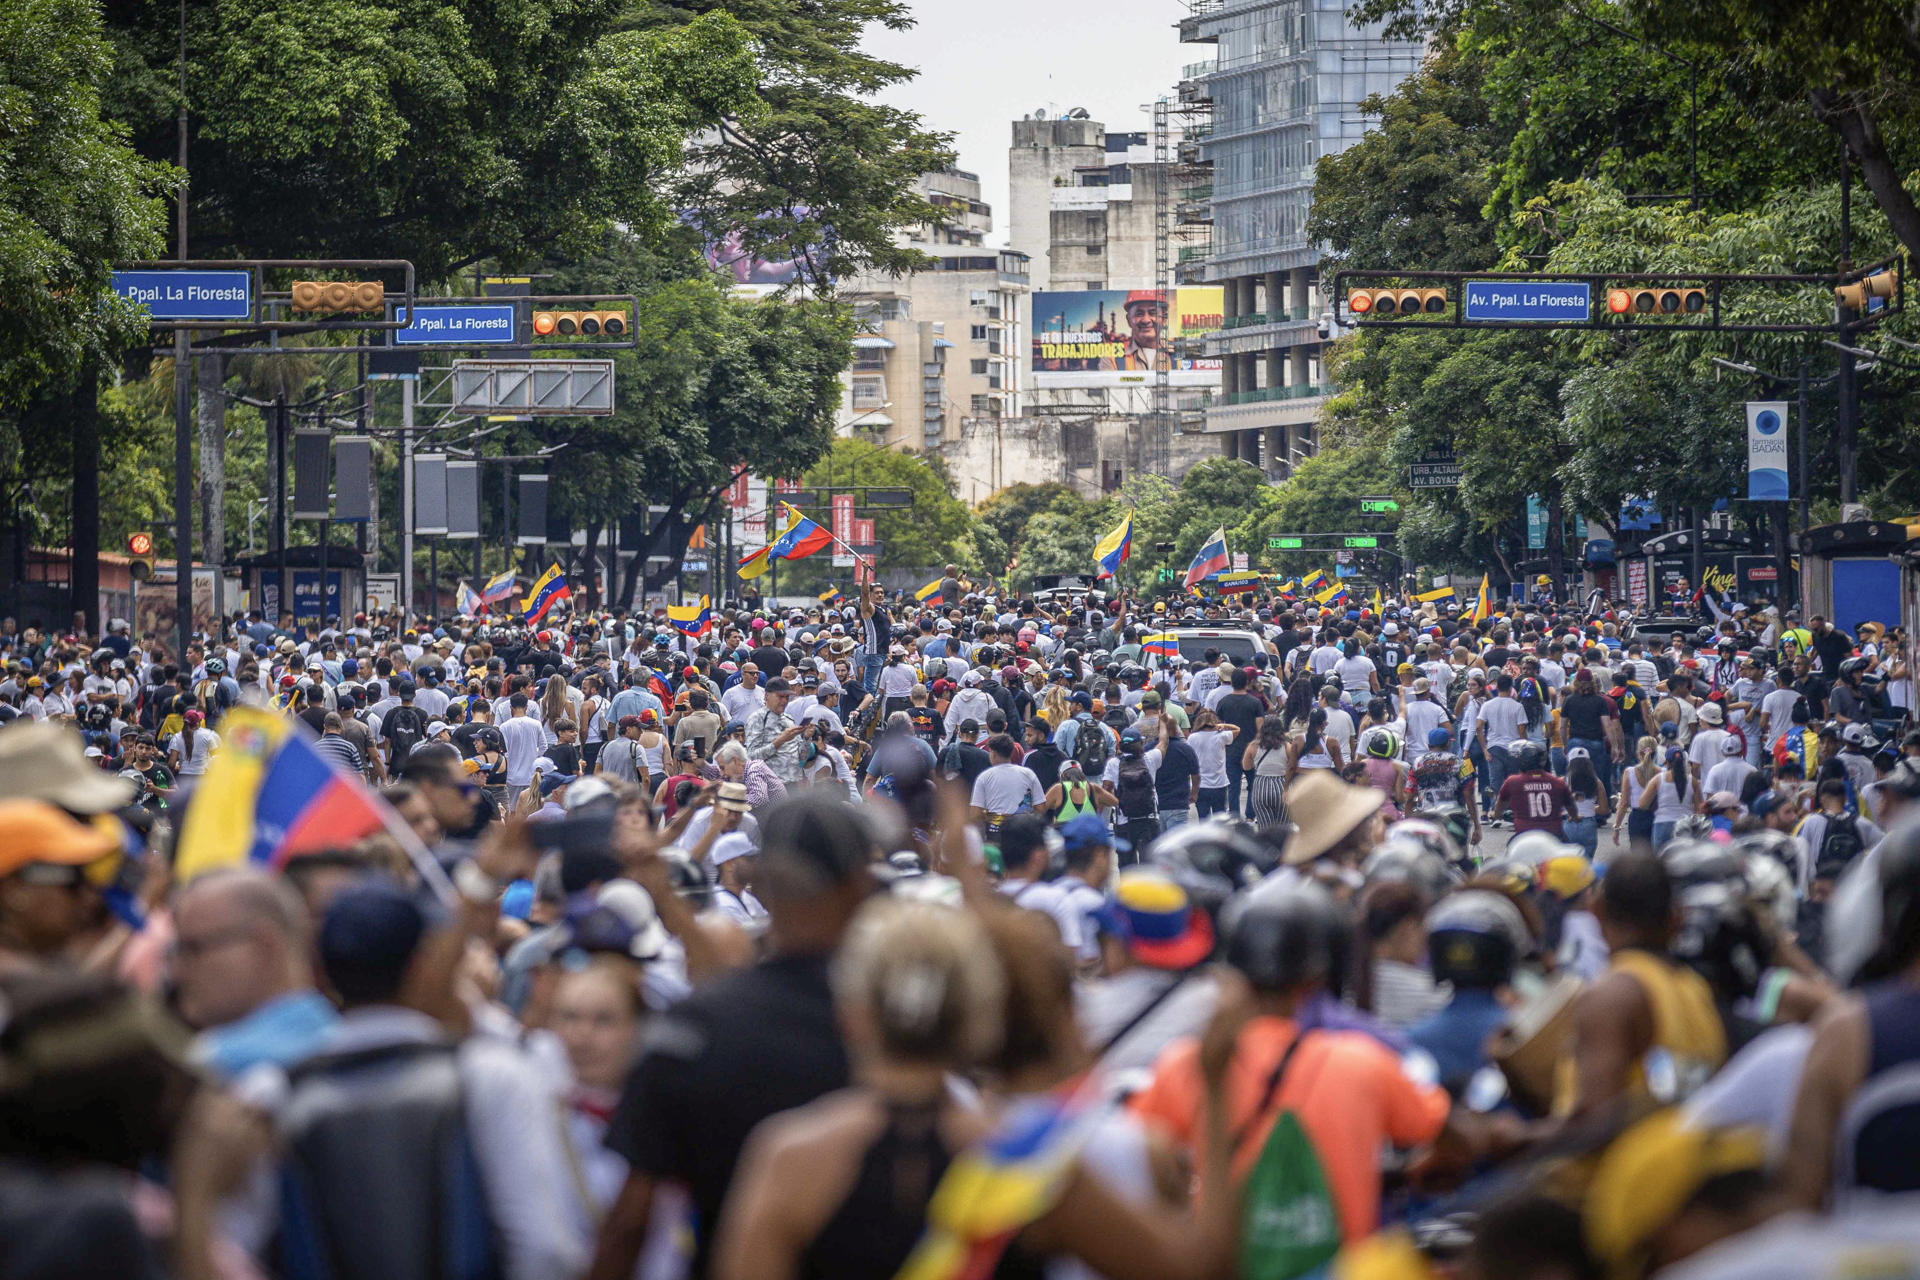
(1767, 451)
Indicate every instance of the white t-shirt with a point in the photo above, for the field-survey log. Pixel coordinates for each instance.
(193, 758)
(1422, 717)
(526, 742)
(1039, 895)
(1729, 775)
(1505, 719)
(1778, 708)
(1210, 745)
(1704, 751)
(1355, 674)
(1007, 788)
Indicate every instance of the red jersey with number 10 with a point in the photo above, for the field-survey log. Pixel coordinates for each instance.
(1538, 801)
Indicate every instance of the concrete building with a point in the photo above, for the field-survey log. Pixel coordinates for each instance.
(1283, 91)
(936, 346)
(1086, 204)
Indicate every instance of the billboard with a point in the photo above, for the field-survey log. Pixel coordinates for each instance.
(1118, 337)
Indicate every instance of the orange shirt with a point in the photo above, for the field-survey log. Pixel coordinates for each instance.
(1346, 1088)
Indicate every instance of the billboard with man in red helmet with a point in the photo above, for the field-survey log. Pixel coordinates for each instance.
(1111, 337)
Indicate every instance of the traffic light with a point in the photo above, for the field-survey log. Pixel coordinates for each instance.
(140, 547)
(1861, 295)
(339, 295)
(1659, 299)
(1396, 302)
(567, 324)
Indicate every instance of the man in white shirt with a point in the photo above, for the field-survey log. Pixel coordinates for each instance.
(1502, 722)
(746, 697)
(1003, 787)
(733, 857)
(969, 702)
(1325, 656)
(1703, 750)
(1423, 715)
(526, 742)
(1731, 772)
(1023, 851)
(1776, 714)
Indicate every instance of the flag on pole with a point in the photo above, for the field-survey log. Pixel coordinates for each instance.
(832, 595)
(1236, 581)
(1483, 603)
(1431, 597)
(1332, 595)
(1164, 643)
(801, 538)
(1376, 601)
(929, 595)
(547, 588)
(499, 587)
(1113, 550)
(1313, 582)
(1212, 558)
(691, 619)
(469, 602)
(267, 796)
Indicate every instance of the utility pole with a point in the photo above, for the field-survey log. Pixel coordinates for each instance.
(183, 486)
(1846, 435)
(406, 499)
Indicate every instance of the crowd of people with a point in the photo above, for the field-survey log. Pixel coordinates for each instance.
(998, 937)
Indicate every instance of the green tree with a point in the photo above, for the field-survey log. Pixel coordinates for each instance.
(933, 531)
(1317, 498)
(443, 133)
(824, 175)
(1007, 511)
(74, 199)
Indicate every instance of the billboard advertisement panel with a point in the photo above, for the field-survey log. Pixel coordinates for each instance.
(1117, 337)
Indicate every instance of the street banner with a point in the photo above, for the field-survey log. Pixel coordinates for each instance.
(1766, 450)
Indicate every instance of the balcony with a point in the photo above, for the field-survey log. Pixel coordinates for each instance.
(1262, 395)
(1285, 315)
(1194, 70)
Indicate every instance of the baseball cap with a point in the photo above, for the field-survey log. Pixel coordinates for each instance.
(1157, 920)
(34, 831)
(1090, 831)
(437, 728)
(734, 844)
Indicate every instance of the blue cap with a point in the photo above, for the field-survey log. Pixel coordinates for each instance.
(1669, 729)
(1090, 831)
(517, 901)
(1439, 736)
(553, 782)
(349, 666)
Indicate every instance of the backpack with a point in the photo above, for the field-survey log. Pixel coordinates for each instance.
(1289, 1224)
(405, 727)
(1134, 790)
(1091, 750)
(1838, 847)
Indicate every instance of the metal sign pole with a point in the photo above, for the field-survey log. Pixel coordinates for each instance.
(406, 501)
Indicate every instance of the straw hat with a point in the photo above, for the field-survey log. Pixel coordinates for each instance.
(1324, 811)
(43, 761)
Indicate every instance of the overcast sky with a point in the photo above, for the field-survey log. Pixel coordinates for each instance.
(985, 63)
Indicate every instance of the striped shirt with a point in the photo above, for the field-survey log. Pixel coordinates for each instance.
(342, 752)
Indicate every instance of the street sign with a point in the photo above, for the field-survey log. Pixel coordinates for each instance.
(1285, 544)
(1434, 475)
(457, 326)
(1378, 506)
(1239, 561)
(1363, 542)
(188, 295)
(570, 388)
(1538, 301)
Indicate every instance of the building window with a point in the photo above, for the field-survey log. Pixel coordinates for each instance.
(978, 332)
(869, 393)
(979, 366)
(1093, 251)
(977, 298)
(981, 403)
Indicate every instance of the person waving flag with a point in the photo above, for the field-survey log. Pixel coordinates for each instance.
(691, 619)
(1212, 559)
(499, 587)
(469, 603)
(1113, 550)
(801, 538)
(1482, 604)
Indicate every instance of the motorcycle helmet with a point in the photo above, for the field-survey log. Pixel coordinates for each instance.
(1474, 939)
(1212, 860)
(1428, 832)
(1383, 744)
(1283, 939)
(1408, 862)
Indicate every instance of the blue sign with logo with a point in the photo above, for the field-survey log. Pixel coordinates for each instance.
(188, 295)
(1767, 451)
(456, 326)
(1534, 301)
(306, 596)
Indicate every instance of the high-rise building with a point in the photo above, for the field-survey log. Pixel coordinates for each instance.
(1284, 89)
(1087, 208)
(937, 346)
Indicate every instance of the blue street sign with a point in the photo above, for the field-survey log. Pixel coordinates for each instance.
(456, 326)
(188, 295)
(1527, 300)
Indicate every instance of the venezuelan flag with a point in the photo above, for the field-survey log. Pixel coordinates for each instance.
(832, 595)
(754, 565)
(1237, 580)
(929, 595)
(1164, 643)
(1483, 603)
(691, 619)
(268, 796)
(1430, 597)
(1313, 582)
(499, 587)
(1212, 558)
(1334, 594)
(549, 587)
(801, 538)
(1113, 550)
(469, 602)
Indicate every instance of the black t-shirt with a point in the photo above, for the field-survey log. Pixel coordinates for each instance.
(1586, 715)
(742, 1047)
(771, 659)
(877, 631)
(965, 760)
(1241, 709)
(926, 722)
(1834, 647)
(1178, 765)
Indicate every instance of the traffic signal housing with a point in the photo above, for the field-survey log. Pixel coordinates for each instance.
(336, 296)
(1396, 302)
(1656, 299)
(1861, 295)
(140, 548)
(568, 324)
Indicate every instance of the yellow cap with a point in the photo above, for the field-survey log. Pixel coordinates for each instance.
(1649, 1174)
(1566, 875)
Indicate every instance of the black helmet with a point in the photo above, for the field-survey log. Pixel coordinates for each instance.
(1721, 938)
(1527, 755)
(1475, 937)
(1691, 861)
(1852, 667)
(1288, 937)
(1212, 860)
(1778, 845)
(1695, 826)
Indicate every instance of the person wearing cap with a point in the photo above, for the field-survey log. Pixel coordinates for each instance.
(49, 881)
(734, 856)
(1089, 846)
